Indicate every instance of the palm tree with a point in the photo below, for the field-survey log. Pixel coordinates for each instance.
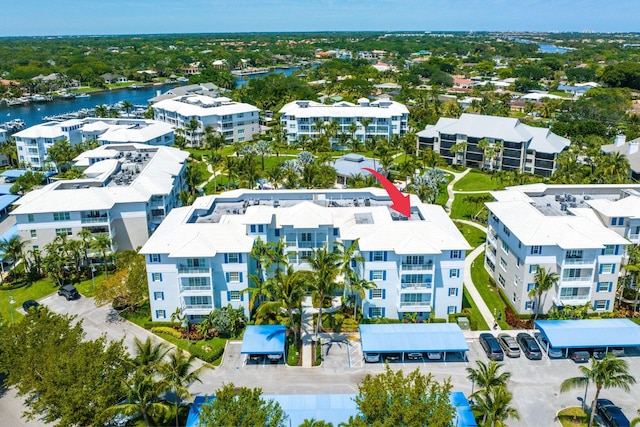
(12, 248)
(102, 243)
(287, 292)
(85, 236)
(494, 406)
(263, 148)
(127, 106)
(142, 397)
(101, 111)
(609, 372)
(178, 375)
(148, 354)
(325, 265)
(458, 150)
(191, 127)
(486, 375)
(349, 255)
(358, 288)
(483, 144)
(231, 167)
(544, 280)
(365, 122)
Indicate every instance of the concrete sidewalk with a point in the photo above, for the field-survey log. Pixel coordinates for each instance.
(307, 333)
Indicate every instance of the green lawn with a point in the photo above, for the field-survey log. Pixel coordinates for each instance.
(35, 291)
(464, 208)
(489, 294)
(573, 417)
(475, 318)
(476, 180)
(86, 287)
(474, 236)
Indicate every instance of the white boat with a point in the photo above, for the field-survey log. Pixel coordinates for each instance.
(83, 95)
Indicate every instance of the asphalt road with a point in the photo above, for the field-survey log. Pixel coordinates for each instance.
(535, 384)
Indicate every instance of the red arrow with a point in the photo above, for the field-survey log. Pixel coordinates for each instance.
(400, 201)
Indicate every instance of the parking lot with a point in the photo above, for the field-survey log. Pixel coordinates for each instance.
(535, 384)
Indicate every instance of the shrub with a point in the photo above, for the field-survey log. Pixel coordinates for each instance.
(160, 330)
(209, 351)
(514, 321)
(151, 325)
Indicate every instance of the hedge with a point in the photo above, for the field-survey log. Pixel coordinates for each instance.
(151, 325)
(209, 351)
(167, 331)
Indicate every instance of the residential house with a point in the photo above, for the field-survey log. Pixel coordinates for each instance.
(512, 144)
(110, 78)
(199, 258)
(125, 191)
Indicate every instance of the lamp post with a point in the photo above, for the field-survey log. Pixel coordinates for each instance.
(11, 302)
(93, 282)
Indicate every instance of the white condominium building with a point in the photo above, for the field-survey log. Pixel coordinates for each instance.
(34, 142)
(126, 191)
(236, 121)
(199, 258)
(385, 118)
(512, 145)
(576, 231)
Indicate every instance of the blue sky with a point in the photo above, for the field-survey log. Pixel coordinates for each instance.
(60, 17)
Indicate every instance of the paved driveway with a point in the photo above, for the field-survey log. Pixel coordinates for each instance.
(535, 384)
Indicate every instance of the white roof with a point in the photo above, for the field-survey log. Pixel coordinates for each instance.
(132, 133)
(42, 130)
(180, 238)
(628, 207)
(203, 106)
(539, 96)
(375, 109)
(502, 128)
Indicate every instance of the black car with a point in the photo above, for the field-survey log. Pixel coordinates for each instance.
(529, 346)
(491, 346)
(611, 414)
(30, 304)
(69, 292)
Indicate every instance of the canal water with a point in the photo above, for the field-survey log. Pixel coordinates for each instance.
(33, 113)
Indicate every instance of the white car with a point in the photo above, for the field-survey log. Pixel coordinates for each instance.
(372, 357)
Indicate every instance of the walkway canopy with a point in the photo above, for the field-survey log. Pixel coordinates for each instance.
(6, 200)
(264, 339)
(464, 415)
(590, 333)
(412, 337)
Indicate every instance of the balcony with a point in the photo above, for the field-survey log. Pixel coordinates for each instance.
(94, 219)
(417, 267)
(414, 306)
(196, 309)
(633, 236)
(183, 269)
(578, 261)
(420, 285)
(195, 288)
(577, 279)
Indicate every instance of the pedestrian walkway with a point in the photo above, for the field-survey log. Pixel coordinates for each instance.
(457, 176)
(306, 333)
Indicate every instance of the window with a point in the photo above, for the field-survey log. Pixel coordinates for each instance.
(234, 296)
(261, 228)
(376, 311)
(574, 254)
(530, 286)
(252, 228)
(601, 304)
(233, 258)
(33, 233)
(518, 262)
(154, 258)
(607, 268)
(505, 247)
(304, 255)
(581, 293)
(156, 277)
(609, 250)
(536, 250)
(503, 263)
(617, 221)
(335, 231)
(533, 268)
(376, 294)
(305, 237)
(451, 309)
(241, 139)
(529, 305)
(240, 131)
(506, 230)
(36, 248)
(453, 292)
(63, 232)
(414, 260)
(455, 254)
(276, 232)
(61, 216)
(377, 274)
(161, 314)
(234, 276)
(30, 218)
(454, 272)
(158, 296)
(378, 256)
(501, 280)
(605, 286)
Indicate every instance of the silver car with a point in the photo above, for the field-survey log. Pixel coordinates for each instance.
(509, 345)
(553, 353)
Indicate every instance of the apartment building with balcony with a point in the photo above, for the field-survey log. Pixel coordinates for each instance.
(34, 142)
(126, 191)
(199, 258)
(576, 231)
(236, 121)
(512, 145)
(305, 118)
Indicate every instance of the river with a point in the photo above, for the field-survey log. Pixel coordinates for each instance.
(33, 113)
(544, 47)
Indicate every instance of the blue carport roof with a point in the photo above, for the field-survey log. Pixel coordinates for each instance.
(13, 173)
(590, 333)
(6, 200)
(464, 414)
(5, 188)
(407, 337)
(264, 339)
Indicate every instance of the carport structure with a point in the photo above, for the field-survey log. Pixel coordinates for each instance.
(413, 337)
(590, 333)
(264, 339)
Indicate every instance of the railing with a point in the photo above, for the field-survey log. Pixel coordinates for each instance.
(197, 270)
(198, 306)
(413, 267)
(633, 236)
(575, 261)
(577, 279)
(426, 285)
(93, 219)
(424, 306)
(203, 288)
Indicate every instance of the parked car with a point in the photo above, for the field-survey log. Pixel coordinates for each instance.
(509, 345)
(414, 356)
(617, 351)
(69, 292)
(611, 414)
(553, 353)
(30, 304)
(579, 356)
(599, 353)
(434, 355)
(491, 346)
(372, 357)
(392, 357)
(256, 358)
(529, 346)
(274, 358)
